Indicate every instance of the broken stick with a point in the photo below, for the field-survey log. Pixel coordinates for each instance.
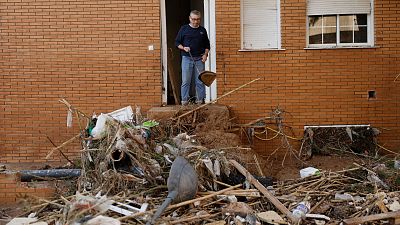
(215, 100)
(395, 216)
(258, 166)
(62, 145)
(193, 218)
(62, 153)
(263, 190)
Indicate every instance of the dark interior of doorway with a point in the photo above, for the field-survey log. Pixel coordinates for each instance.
(177, 13)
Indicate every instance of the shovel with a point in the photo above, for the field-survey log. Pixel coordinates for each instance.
(207, 77)
(181, 183)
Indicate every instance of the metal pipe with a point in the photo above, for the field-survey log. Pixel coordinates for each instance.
(29, 175)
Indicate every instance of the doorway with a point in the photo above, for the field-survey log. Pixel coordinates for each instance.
(174, 14)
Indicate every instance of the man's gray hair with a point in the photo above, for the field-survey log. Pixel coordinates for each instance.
(195, 12)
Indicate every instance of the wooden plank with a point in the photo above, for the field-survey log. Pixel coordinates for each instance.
(263, 190)
(173, 77)
(359, 220)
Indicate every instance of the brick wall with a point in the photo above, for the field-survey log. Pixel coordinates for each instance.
(13, 191)
(315, 87)
(94, 53)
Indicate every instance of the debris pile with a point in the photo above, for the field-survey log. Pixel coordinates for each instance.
(130, 165)
(358, 140)
(137, 153)
(341, 195)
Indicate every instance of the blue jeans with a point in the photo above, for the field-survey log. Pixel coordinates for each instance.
(188, 71)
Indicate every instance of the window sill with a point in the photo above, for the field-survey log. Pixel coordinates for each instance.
(341, 47)
(261, 50)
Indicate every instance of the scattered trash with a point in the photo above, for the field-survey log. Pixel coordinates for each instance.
(26, 221)
(317, 216)
(301, 210)
(348, 197)
(394, 206)
(309, 171)
(150, 123)
(345, 196)
(193, 164)
(103, 220)
(123, 114)
(99, 130)
(128, 207)
(396, 164)
(375, 179)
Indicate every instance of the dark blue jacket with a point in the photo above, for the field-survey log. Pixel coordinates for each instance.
(195, 38)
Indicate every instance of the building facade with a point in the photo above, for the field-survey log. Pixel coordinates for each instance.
(323, 62)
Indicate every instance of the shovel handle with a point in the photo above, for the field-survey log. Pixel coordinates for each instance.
(198, 71)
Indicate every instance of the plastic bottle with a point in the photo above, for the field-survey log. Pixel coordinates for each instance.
(301, 210)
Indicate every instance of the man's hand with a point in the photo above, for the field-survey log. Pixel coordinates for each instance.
(186, 49)
(204, 58)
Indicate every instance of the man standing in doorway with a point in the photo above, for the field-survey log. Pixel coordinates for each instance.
(192, 40)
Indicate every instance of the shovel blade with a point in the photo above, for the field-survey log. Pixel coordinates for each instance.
(207, 77)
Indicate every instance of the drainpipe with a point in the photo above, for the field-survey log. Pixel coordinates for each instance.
(29, 175)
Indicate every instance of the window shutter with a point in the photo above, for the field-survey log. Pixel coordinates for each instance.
(260, 24)
(329, 7)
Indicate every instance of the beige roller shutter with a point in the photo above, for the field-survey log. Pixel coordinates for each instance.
(328, 7)
(260, 24)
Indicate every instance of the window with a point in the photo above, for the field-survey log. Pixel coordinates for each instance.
(260, 22)
(339, 23)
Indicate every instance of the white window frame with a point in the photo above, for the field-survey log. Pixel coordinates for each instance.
(370, 32)
(278, 25)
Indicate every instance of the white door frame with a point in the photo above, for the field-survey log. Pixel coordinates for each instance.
(211, 64)
(164, 52)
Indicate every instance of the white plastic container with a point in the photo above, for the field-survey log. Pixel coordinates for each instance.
(309, 171)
